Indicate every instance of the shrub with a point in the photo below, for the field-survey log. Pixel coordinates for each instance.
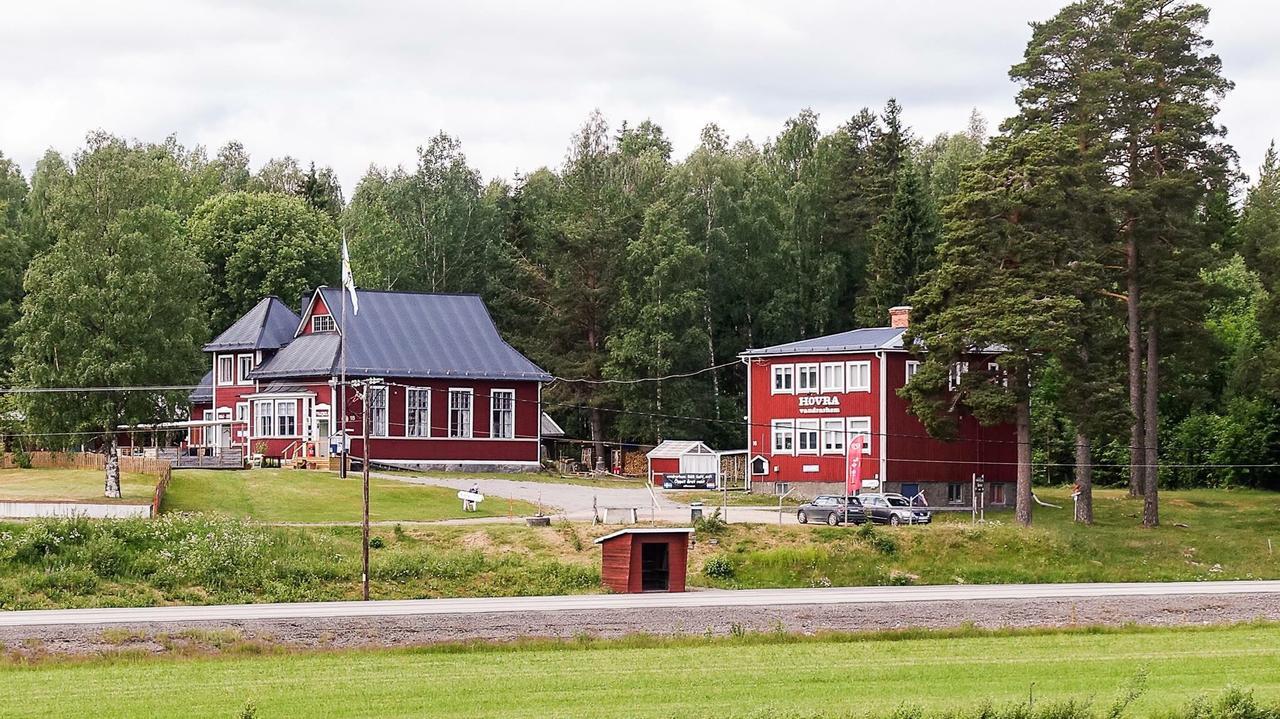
(22, 458)
(1233, 703)
(718, 567)
(711, 524)
(376, 542)
(877, 540)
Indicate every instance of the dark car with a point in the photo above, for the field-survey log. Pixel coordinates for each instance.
(831, 509)
(894, 509)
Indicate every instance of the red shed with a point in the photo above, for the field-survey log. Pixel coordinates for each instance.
(645, 559)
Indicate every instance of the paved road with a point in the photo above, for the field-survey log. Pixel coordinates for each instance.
(714, 598)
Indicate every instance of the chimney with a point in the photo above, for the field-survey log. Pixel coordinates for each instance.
(900, 316)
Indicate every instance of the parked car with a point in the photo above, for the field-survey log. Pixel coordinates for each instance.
(894, 509)
(832, 509)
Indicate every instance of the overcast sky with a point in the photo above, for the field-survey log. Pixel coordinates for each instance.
(347, 84)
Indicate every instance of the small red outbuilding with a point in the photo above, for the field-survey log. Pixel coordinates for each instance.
(645, 559)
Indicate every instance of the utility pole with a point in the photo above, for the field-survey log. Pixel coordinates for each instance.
(364, 470)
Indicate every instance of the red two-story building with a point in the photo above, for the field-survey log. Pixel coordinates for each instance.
(453, 393)
(806, 400)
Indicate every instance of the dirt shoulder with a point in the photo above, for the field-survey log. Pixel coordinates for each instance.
(407, 631)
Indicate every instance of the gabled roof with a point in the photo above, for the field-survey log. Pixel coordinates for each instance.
(860, 340)
(405, 334)
(203, 393)
(269, 325)
(549, 427)
(646, 530)
(672, 449)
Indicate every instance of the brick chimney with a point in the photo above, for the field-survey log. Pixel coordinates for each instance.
(900, 316)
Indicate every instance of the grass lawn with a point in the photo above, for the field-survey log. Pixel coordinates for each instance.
(544, 477)
(754, 676)
(77, 485)
(287, 495)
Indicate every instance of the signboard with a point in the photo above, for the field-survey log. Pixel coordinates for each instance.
(689, 480)
(979, 485)
(819, 404)
(853, 465)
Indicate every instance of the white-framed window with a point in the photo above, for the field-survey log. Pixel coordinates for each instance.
(913, 366)
(955, 493)
(954, 375)
(807, 377)
(323, 323)
(784, 436)
(996, 492)
(502, 414)
(460, 413)
(286, 418)
(859, 374)
(784, 379)
(996, 374)
(806, 436)
(226, 369)
(861, 426)
(833, 431)
(417, 412)
(245, 366)
(206, 432)
(781, 488)
(264, 414)
(242, 411)
(832, 377)
(377, 411)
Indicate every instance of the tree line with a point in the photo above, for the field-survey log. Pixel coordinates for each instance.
(1103, 239)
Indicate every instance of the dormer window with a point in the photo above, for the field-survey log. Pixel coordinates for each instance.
(323, 323)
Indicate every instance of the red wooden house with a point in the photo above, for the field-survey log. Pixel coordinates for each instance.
(454, 394)
(806, 400)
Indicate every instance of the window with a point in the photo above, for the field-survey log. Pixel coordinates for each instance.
(859, 376)
(833, 436)
(806, 378)
(246, 366)
(807, 436)
(996, 374)
(784, 436)
(912, 367)
(417, 412)
(781, 488)
(377, 411)
(955, 493)
(460, 413)
(226, 370)
(265, 412)
(242, 411)
(206, 433)
(861, 426)
(783, 379)
(502, 414)
(287, 418)
(323, 323)
(997, 493)
(832, 377)
(958, 369)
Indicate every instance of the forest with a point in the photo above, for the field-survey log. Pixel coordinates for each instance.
(1104, 237)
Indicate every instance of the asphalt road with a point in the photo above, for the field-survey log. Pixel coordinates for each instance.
(696, 599)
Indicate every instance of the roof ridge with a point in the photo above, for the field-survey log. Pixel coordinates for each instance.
(404, 292)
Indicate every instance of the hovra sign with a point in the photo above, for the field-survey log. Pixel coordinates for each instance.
(819, 404)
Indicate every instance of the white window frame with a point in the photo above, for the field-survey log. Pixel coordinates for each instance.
(783, 429)
(496, 423)
(205, 433)
(379, 411)
(457, 432)
(242, 412)
(264, 419)
(783, 370)
(959, 492)
(417, 420)
(859, 426)
(833, 436)
(281, 417)
(836, 369)
(805, 370)
(955, 374)
(242, 374)
(228, 363)
(330, 326)
(812, 429)
(862, 381)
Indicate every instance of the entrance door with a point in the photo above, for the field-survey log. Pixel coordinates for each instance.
(322, 437)
(224, 436)
(655, 574)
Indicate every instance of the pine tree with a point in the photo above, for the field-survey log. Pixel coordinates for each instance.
(1259, 235)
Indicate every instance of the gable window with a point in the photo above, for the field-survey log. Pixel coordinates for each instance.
(833, 436)
(913, 366)
(323, 323)
(460, 413)
(859, 376)
(246, 366)
(377, 411)
(861, 426)
(226, 369)
(264, 411)
(417, 415)
(784, 379)
(287, 418)
(806, 378)
(502, 414)
(807, 436)
(784, 436)
(832, 377)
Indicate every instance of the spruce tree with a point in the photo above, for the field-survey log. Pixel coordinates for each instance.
(901, 245)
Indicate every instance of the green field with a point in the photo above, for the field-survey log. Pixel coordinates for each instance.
(287, 495)
(753, 676)
(73, 485)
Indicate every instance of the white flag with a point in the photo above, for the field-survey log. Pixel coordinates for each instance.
(348, 282)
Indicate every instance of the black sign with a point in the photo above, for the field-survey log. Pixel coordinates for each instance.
(979, 485)
(689, 480)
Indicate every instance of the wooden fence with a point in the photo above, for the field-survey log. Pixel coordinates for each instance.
(158, 468)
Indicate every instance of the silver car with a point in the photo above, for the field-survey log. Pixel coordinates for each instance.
(895, 509)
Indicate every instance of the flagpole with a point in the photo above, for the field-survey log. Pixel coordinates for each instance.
(342, 361)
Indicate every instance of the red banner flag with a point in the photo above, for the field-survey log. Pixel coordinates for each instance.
(853, 466)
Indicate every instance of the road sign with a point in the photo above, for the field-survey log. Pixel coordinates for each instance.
(980, 485)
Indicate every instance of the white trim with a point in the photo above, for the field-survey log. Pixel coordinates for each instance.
(801, 370)
(385, 430)
(493, 393)
(328, 315)
(646, 530)
(805, 426)
(862, 375)
(407, 392)
(882, 360)
(217, 370)
(869, 433)
(912, 367)
(839, 432)
(822, 376)
(773, 378)
(788, 425)
(242, 377)
(471, 413)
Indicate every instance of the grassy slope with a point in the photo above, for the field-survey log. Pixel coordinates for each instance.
(81, 485)
(694, 678)
(283, 495)
(1225, 537)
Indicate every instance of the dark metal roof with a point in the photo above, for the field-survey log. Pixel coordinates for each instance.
(203, 393)
(314, 355)
(269, 325)
(860, 340)
(284, 388)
